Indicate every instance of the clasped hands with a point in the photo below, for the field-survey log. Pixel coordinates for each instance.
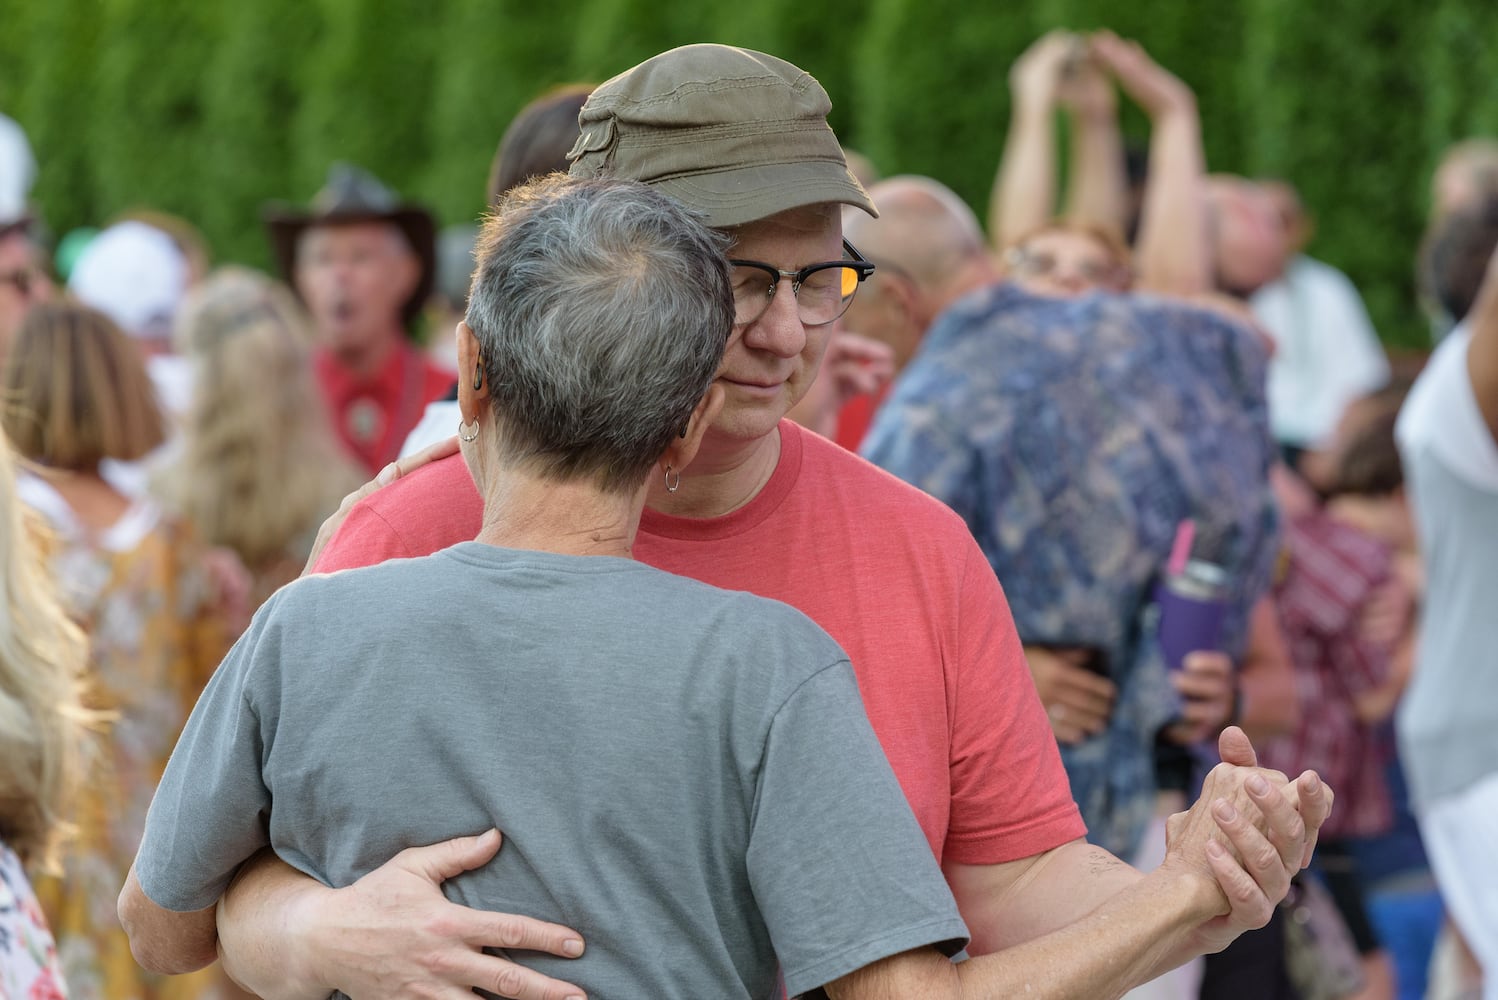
(1247, 834)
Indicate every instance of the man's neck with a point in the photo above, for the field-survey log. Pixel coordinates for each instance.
(723, 477)
(365, 360)
(522, 511)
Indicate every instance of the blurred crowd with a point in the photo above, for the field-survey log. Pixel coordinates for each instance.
(1116, 383)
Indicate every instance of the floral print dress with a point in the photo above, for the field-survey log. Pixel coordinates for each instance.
(28, 956)
(138, 590)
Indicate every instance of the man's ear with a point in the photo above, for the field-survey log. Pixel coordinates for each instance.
(473, 392)
(680, 452)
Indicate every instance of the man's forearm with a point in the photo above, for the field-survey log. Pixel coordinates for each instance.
(258, 919)
(1130, 939)
(165, 941)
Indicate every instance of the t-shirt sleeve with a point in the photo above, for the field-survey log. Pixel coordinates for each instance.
(212, 808)
(839, 867)
(365, 538)
(1010, 794)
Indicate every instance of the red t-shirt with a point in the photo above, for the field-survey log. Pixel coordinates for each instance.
(893, 575)
(374, 415)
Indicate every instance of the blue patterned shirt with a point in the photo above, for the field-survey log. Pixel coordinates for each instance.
(1073, 436)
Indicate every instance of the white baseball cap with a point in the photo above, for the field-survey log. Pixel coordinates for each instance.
(17, 172)
(135, 275)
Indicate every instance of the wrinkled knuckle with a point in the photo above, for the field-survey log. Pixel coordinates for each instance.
(511, 933)
(509, 982)
(438, 964)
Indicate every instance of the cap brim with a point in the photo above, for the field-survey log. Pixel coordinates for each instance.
(741, 195)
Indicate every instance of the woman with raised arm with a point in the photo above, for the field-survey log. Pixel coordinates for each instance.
(1082, 250)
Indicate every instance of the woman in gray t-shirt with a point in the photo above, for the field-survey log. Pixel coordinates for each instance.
(683, 774)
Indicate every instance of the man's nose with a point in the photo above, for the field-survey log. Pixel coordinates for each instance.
(779, 329)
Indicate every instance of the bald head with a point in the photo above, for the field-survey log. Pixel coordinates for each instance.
(928, 252)
(926, 231)
(1249, 244)
(1466, 176)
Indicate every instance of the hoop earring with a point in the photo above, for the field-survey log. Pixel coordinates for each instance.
(478, 376)
(672, 487)
(463, 434)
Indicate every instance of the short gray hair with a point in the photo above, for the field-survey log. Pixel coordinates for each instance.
(602, 309)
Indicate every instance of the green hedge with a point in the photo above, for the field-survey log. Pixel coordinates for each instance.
(210, 110)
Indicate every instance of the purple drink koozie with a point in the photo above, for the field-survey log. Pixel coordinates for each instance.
(1191, 612)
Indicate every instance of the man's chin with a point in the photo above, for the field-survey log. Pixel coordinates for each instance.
(748, 421)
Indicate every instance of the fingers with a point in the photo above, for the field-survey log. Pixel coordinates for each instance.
(1085, 683)
(1085, 690)
(440, 862)
(1071, 726)
(1248, 906)
(859, 365)
(1206, 688)
(1257, 856)
(1081, 702)
(520, 983)
(1038, 69)
(1315, 805)
(504, 978)
(518, 933)
(426, 456)
(1283, 825)
(1234, 747)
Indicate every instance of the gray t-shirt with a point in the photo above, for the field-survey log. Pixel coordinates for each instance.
(683, 774)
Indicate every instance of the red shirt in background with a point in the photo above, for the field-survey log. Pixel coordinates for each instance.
(894, 576)
(373, 416)
(857, 414)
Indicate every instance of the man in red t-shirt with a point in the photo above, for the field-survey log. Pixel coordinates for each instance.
(364, 265)
(891, 574)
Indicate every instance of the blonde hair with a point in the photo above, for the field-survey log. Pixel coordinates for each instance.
(42, 656)
(77, 391)
(260, 467)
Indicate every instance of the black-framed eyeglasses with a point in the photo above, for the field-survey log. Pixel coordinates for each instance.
(823, 291)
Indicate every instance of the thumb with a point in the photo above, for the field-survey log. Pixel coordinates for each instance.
(1234, 748)
(439, 862)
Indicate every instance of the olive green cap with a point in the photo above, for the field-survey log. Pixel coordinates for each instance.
(734, 134)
